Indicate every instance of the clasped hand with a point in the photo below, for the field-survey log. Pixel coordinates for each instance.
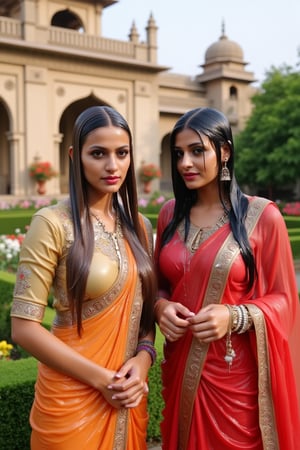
(127, 386)
(209, 324)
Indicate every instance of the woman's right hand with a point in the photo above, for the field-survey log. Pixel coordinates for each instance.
(172, 318)
(110, 378)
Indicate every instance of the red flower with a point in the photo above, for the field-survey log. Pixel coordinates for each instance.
(42, 171)
(148, 172)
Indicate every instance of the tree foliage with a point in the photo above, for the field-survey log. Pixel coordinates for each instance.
(268, 149)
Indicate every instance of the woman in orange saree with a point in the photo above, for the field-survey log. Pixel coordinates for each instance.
(92, 375)
(224, 387)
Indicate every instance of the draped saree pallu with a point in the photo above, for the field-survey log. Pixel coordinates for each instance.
(207, 404)
(69, 415)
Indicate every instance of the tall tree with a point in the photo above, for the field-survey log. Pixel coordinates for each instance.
(268, 149)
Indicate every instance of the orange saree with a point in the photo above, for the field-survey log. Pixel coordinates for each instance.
(77, 416)
(254, 405)
(66, 413)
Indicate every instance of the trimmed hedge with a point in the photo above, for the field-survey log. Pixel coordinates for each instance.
(295, 244)
(16, 396)
(292, 221)
(7, 281)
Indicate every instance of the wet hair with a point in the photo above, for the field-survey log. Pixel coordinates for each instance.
(125, 203)
(214, 125)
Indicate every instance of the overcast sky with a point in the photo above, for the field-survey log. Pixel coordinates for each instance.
(267, 30)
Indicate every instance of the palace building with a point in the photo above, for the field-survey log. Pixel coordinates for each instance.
(54, 62)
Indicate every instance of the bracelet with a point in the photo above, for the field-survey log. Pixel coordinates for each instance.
(243, 322)
(147, 346)
(230, 353)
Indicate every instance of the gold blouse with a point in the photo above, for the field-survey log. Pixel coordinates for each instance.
(43, 257)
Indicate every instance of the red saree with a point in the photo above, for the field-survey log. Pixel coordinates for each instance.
(255, 404)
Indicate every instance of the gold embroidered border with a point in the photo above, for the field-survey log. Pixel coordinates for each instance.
(121, 431)
(27, 310)
(216, 285)
(266, 410)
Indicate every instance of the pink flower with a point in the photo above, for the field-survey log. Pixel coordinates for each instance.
(143, 202)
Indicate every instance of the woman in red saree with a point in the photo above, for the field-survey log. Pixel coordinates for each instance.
(228, 305)
(95, 251)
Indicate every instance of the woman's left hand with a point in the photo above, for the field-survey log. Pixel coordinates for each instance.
(131, 384)
(210, 323)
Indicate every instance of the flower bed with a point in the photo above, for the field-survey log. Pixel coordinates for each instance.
(9, 250)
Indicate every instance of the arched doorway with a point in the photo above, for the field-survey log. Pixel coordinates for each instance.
(66, 125)
(5, 182)
(165, 164)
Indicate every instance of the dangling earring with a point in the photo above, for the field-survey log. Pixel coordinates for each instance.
(225, 174)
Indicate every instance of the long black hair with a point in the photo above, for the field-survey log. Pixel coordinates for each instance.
(125, 202)
(214, 125)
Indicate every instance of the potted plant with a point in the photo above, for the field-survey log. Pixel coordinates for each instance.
(147, 173)
(41, 171)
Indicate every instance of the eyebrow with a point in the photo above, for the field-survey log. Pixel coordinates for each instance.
(193, 144)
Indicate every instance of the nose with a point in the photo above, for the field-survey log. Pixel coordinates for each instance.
(112, 165)
(185, 160)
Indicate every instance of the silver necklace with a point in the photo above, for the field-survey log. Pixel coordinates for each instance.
(112, 235)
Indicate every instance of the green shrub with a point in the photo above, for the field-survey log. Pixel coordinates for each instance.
(292, 221)
(294, 231)
(17, 380)
(295, 244)
(7, 281)
(155, 401)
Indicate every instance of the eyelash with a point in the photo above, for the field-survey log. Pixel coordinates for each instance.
(197, 151)
(97, 154)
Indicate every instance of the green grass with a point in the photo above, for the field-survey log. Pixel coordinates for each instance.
(292, 221)
(6, 276)
(10, 220)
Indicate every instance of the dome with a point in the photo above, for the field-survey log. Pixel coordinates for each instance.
(224, 50)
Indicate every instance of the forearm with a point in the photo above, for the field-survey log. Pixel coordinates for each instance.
(50, 350)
